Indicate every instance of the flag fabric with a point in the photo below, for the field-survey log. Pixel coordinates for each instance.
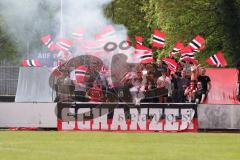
(105, 32)
(171, 63)
(30, 63)
(146, 58)
(197, 44)
(90, 46)
(78, 34)
(140, 49)
(187, 54)
(158, 39)
(107, 35)
(176, 49)
(47, 41)
(143, 54)
(217, 60)
(139, 40)
(191, 60)
(64, 44)
(81, 74)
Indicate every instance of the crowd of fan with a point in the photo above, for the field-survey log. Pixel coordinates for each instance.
(153, 83)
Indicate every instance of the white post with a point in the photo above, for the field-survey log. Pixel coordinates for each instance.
(61, 19)
(28, 50)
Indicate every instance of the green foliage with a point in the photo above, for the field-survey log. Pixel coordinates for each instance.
(7, 49)
(217, 21)
(131, 15)
(14, 46)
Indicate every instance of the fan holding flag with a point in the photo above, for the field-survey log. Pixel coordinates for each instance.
(79, 76)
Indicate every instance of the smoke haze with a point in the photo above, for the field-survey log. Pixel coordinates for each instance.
(27, 20)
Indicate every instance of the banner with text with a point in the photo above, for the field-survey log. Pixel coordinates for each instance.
(127, 117)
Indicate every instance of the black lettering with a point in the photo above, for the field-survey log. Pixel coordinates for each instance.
(124, 45)
(110, 46)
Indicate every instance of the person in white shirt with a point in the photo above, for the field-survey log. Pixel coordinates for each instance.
(164, 84)
(138, 89)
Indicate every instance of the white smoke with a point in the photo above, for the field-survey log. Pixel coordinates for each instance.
(88, 14)
(27, 20)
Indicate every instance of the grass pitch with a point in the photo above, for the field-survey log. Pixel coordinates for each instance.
(51, 145)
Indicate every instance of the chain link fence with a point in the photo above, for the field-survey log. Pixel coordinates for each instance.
(8, 78)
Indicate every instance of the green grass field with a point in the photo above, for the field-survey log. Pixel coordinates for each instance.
(53, 145)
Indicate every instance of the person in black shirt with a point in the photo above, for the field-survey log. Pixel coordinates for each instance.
(206, 81)
(200, 93)
(180, 84)
(159, 68)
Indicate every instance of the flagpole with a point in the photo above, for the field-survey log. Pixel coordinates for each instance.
(61, 19)
(28, 54)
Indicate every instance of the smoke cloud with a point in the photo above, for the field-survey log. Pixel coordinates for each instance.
(27, 20)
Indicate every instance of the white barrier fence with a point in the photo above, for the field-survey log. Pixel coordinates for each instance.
(218, 116)
(36, 115)
(43, 115)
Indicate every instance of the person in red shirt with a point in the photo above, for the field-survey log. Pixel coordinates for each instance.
(95, 94)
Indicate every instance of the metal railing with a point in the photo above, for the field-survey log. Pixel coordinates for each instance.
(8, 78)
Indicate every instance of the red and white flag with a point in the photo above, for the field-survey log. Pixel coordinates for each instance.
(158, 39)
(146, 58)
(81, 74)
(217, 60)
(140, 49)
(105, 32)
(197, 43)
(139, 40)
(30, 63)
(78, 34)
(176, 49)
(187, 52)
(47, 41)
(90, 46)
(143, 54)
(171, 63)
(64, 44)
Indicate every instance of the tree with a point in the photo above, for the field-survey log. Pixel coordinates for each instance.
(131, 15)
(217, 21)
(20, 35)
(7, 49)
